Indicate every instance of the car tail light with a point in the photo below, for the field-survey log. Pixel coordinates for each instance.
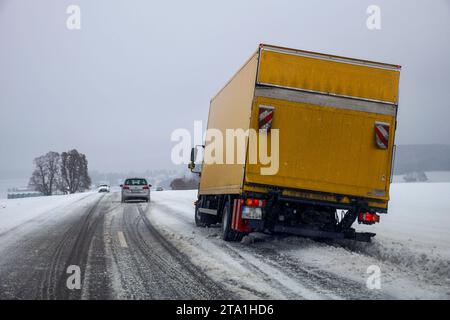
(145, 187)
(368, 218)
(126, 187)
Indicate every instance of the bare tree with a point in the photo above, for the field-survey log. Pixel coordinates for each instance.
(184, 183)
(74, 172)
(45, 174)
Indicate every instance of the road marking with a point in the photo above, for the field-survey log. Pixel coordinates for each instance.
(122, 241)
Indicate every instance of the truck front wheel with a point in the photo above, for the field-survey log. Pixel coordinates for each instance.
(199, 218)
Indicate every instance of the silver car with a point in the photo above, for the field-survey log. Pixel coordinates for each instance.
(103, 188)
(135, 189)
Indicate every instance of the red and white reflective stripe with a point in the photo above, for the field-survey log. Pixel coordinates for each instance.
(234, 217)
(237, 223)
(265, 117)
(382, 134)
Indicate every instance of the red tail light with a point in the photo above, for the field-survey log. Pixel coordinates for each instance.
(251, 202)
(126, 187)
(145, 187)
(368, 218)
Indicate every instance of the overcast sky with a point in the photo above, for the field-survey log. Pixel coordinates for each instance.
(137, 70)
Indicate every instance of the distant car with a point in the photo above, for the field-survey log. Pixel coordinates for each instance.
(135, 189)
(103, 188)
(159, 189)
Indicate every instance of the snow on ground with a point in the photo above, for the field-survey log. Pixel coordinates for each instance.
(412, 250)
(416, 231)
(18, 212)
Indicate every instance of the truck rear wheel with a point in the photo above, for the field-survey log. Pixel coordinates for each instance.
(227, 233)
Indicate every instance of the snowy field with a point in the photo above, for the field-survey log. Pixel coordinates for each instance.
(19, 212)
(6, 184)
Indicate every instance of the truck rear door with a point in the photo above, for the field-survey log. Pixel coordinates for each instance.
(336, 119)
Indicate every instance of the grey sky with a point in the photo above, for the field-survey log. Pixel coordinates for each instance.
(137, 70)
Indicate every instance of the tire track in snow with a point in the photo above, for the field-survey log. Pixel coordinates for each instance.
(150, 267)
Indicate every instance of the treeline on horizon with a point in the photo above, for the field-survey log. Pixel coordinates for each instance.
(408, 158)
(421, 158)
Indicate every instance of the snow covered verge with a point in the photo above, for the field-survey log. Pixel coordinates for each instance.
(415, 234)
(16, 213)
(411, 249)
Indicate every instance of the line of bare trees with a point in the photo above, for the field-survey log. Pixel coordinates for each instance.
(66, 172)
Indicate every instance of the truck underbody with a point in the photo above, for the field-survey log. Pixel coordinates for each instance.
(273, 214)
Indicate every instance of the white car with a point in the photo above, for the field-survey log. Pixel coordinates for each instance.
(135, 189)
(103, 188)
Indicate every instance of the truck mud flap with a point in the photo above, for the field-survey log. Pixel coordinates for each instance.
(237, 223)
(311, 233)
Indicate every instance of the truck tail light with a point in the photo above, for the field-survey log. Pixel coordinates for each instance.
(251, 202)
(368, 218)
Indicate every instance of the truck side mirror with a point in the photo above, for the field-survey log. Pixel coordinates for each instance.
(191, 164)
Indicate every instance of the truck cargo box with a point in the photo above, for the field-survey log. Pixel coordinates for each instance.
(336, 118)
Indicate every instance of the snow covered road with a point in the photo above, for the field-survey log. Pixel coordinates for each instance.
(119, 253)
(155, 251)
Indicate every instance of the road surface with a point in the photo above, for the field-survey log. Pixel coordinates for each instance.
(118, 252)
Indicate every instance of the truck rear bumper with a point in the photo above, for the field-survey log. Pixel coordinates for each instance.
(305, 232)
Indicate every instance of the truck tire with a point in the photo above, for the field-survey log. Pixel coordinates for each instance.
(227, 233)
(199, 218)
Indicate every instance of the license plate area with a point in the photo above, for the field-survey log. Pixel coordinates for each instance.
(251, 213)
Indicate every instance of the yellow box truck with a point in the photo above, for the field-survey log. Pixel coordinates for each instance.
(308, 146)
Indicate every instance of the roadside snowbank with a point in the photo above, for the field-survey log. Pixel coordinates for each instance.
(415, 234)
(16, 212)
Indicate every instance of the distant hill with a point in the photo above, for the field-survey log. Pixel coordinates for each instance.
(422, 157)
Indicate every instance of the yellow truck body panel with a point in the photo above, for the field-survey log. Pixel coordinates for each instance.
(328, 75)
(230, 109)
(326, 109)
